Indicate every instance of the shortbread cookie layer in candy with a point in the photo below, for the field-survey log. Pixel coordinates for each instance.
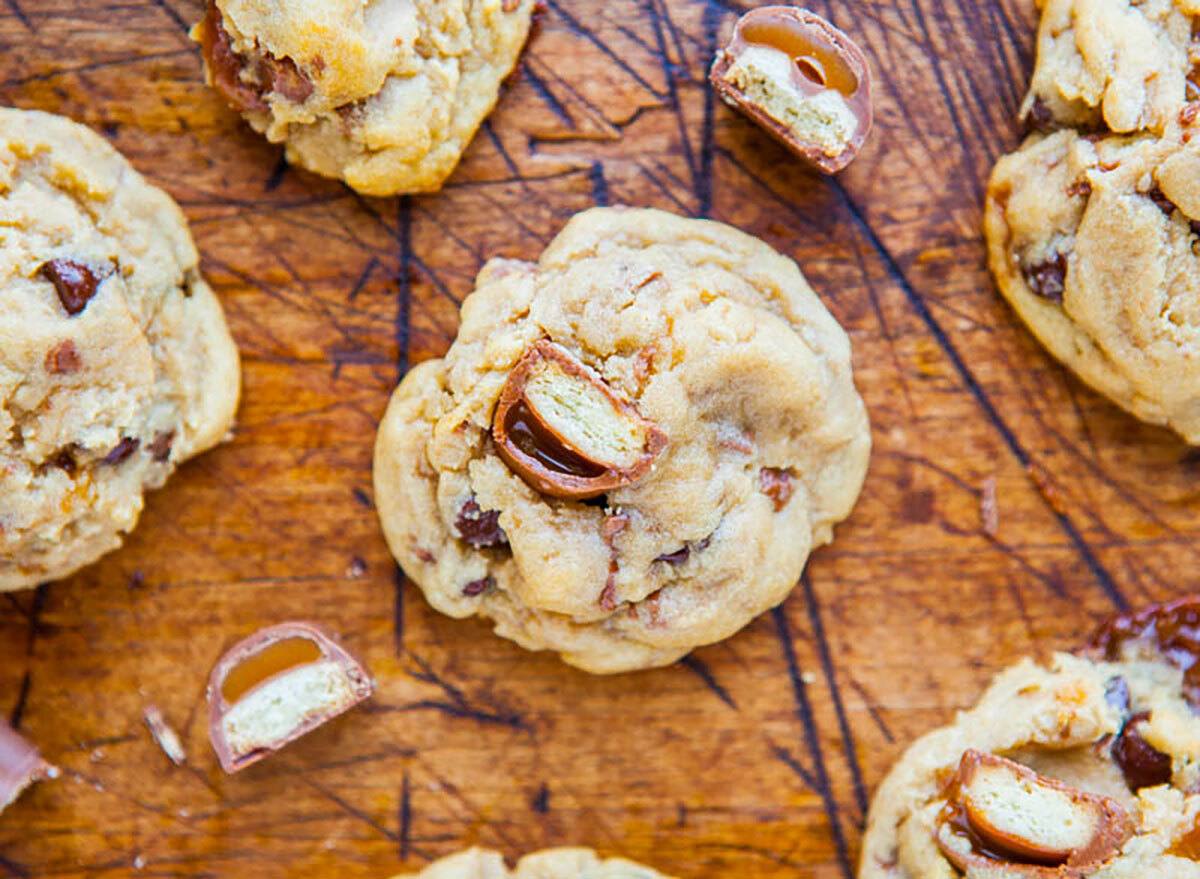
(557, 863)
(384, 94)
(115, 361)
(1094, 242)
(1086, 769)
(1113, 64)
(277, 685)
(631, 447)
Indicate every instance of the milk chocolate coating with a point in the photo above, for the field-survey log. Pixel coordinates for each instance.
(248, 648)
(989, 848)
(836, 43)
(20, 765)
(543, 459)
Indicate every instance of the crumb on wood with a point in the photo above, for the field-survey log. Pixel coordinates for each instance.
(1046, 488)
(989, 512)
(165, 737)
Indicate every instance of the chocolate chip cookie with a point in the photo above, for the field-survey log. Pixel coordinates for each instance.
(385, 96)
(1094, 243)
(115, 361)
(557, 863)
(1114, 65)
(631, 447)
(1087, 767)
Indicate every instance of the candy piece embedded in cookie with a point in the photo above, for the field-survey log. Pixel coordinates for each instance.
(1094, 243)
(277, 685)
(115, 362)
(383, 97)
(1087, 768)
(631, 447)
(999, 811)
(563, 430)
(556, 863)
(800, 78)
(20, 765)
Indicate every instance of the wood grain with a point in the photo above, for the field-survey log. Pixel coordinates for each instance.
(753, 758)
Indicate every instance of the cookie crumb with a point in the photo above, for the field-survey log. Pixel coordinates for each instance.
(164, 736)
(989, 513)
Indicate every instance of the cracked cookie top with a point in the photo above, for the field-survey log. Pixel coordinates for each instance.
(384, 94)
(115, 361)
(632, 445)
(1084, 769)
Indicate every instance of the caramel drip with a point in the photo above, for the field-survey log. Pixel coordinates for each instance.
(538, 443)
(282, 655)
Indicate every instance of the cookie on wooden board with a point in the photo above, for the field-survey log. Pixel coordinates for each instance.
(1094, 243)
(385, 96)
(1111, 64)
(556, 863)
(1087, 767)
(115, 361)
(632, 446)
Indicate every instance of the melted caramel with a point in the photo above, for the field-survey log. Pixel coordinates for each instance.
(810, 52)
(530, 436)
(284, 654)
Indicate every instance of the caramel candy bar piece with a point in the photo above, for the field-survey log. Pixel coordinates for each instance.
(20, 765)
(801, 79)
(565, 432)
(1000, 812)
(277, 685)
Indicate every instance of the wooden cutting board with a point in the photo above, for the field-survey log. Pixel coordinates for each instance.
(753, 758)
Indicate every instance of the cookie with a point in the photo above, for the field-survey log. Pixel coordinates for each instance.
(1112, 64)
(1094, 243)
(631, 447)
(384, 96)
(556, 863)
(1086, 767)
(115, 361)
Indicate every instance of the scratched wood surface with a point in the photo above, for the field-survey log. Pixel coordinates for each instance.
(753, 758)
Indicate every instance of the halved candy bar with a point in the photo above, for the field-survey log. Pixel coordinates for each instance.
(1002, 813)
(564, 431)
(801, 79)
(20, 765)
(277, 685)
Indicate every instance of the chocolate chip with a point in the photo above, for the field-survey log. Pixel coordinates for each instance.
(1160, 199)
(63, 359)
(1040, 118)
(160, 449)
(1142, 763)
(476, 587)
(64, 459)
(479, 528)
(1048, 279)
(1187, 116)
(681, 555)
(227, 67)
(1168, 632)
(678, 557)
(126, 447)
(777, 485)
(74, 282)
